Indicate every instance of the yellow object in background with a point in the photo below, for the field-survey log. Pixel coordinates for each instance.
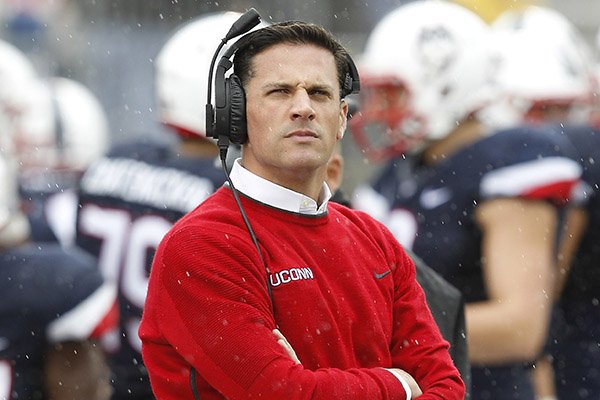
(490, 9)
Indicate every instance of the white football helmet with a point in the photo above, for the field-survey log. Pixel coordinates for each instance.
(14, 66)
(14, 227)
(546, 71)
(182, 68)
(15, 70)
(426, 67)
(60, 132)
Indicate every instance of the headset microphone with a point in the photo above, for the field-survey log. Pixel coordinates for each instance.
(245, 22)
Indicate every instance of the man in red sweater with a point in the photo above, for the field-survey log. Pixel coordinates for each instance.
(312, 300)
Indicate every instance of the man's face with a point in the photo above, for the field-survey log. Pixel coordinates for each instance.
(294, 112)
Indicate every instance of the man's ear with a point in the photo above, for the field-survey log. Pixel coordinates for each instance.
(335, 171)
(343, 119)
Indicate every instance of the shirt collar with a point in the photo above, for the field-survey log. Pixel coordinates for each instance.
(277, 196)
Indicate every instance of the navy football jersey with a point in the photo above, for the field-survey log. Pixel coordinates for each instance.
(432, 212)
(584, 276)
(128, 201)
(49, 295)
(575, 338)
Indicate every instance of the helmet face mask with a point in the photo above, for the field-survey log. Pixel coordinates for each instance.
(386, 125)
(553, 110)
(442, 63)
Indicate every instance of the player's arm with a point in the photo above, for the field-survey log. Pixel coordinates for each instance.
(518, 264)
(76, 370)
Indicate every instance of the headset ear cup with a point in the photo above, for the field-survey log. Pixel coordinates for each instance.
(237, 110)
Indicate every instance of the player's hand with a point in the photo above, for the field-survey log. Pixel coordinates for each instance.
(286, 345)
(414, 386)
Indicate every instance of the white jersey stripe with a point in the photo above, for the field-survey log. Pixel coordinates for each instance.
(79, 322)
(522, 178)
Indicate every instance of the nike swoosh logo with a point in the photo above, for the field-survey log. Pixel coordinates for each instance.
(379, 276)
(432, 198)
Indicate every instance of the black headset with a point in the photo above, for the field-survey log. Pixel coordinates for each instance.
(226, 120)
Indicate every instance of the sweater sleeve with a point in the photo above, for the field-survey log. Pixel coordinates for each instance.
(208, 299)
(418, 347)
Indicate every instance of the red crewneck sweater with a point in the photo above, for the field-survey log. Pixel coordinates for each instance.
(345, 297)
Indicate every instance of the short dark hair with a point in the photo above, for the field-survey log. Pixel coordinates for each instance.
(292, 32)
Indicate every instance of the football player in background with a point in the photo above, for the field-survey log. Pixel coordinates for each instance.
(547, 76)
(479, 208)
(55, 127)
(130, 198)
(60, 130)
(55, 306)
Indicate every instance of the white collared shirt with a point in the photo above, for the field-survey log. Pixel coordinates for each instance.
(277, 196)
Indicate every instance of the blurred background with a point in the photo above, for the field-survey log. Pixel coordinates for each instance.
(110, 45)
